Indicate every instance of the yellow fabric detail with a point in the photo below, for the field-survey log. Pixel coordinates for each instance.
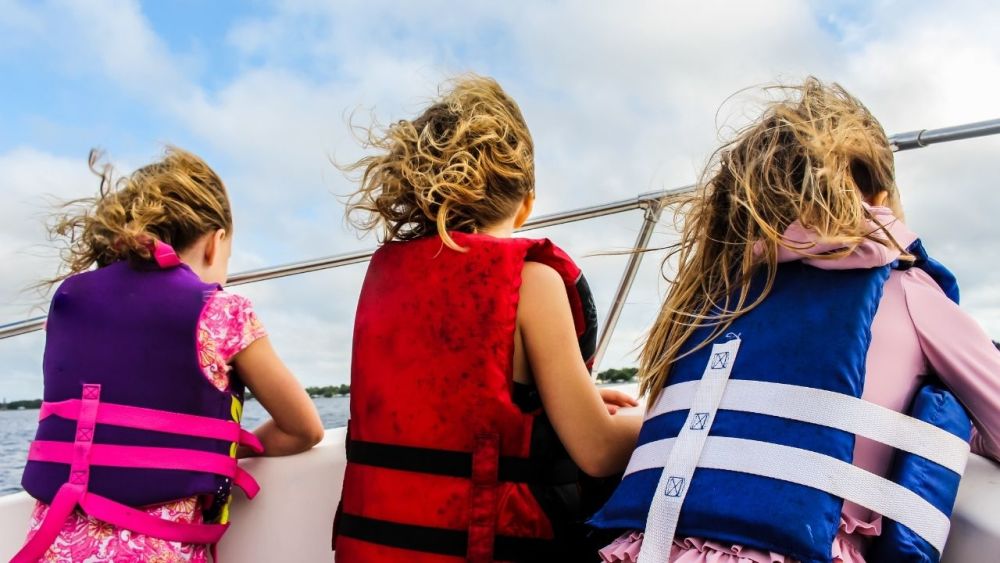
(236, 410)
(224, 516)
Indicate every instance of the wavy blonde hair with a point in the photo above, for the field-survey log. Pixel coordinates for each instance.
(812, 157)
(465, 163)
(175, 200)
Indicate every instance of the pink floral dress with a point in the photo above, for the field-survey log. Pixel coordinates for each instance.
(227, 325)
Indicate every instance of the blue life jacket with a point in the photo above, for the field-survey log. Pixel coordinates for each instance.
(936, 405)
(760, 455)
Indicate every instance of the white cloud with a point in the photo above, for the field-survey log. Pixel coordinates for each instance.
(32, 182)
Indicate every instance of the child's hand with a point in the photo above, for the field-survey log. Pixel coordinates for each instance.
(615, 399)
(295, 425)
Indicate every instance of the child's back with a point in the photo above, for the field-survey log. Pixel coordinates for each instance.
(800, 291)
(134, 457)
(467, 342)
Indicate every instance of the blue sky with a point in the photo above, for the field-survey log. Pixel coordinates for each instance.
(621, 98)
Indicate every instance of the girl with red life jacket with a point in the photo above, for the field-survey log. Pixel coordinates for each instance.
(146, 361)
(472, 408)
(804, 320)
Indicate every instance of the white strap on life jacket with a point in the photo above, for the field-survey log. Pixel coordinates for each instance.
(795, 465)
(831, 409)
(809, 469)
(680, 461)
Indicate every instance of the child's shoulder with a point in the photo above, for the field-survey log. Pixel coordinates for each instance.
(223, 298)
(223, 307)
(228, 324)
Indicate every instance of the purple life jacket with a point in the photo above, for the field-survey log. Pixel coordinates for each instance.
(128, 418)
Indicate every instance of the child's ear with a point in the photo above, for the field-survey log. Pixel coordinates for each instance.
(524, 210)
(213, 246)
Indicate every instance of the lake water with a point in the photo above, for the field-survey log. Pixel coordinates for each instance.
(17, 428)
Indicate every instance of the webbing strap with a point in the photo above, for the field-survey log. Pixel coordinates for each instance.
(451, 463)
(142, 523)
(441, 541)
(680, 461)
(483, 498)
(62, 506)
(831, 409)
(245, 481)
(143, 457)
(810, 469)
(156, 420)
(77, 455)
(83, 453)
(112, 455)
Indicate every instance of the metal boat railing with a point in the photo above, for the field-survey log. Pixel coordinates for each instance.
(652, 203)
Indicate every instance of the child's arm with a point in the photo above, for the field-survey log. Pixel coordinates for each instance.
(961, 353)
(598, 442)
(295, 425)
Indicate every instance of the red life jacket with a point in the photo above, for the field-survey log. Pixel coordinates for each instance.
(441, 461)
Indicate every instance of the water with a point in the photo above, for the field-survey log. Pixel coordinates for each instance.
(17, 428)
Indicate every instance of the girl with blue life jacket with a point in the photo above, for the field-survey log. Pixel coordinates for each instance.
(810, 376)
(146, 361)
(472, 407)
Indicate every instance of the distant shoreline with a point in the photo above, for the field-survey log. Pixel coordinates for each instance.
(25, 405)
(614, 375)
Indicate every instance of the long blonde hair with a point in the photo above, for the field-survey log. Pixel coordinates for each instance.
(466, 162)
(175, 200)
(812, 157)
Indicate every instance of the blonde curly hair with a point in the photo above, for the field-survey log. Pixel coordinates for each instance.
(175, 200)
(465, 163)
(814, 157)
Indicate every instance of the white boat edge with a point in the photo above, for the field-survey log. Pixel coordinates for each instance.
(291, 519)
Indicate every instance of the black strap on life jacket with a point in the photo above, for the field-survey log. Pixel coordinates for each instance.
(452, 463)
(587, 340)
(438, 540)
(477, 543)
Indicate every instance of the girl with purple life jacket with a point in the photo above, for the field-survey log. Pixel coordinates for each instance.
(796, 272)
(145, 366)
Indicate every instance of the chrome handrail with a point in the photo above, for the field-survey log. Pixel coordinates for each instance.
(924, 137)
(561, 218)
(346, 259)
(649, 201)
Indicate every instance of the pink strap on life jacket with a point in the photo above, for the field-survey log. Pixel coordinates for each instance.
(61, 508)
(69, 493)
(82, 453)
(158, 421)
(142, 523)
(164, 255)
(143, 457)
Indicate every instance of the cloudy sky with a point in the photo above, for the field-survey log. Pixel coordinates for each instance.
(622, 97)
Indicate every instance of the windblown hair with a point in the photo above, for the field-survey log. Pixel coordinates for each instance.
(465, 163)
(814, 157)
(175, 200)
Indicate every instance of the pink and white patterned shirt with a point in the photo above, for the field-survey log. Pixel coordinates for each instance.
(226, 327)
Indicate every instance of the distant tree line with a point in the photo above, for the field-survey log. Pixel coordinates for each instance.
(326, 392)
(329, 391)
(614, 375)
(18, 405)
(617, 375)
